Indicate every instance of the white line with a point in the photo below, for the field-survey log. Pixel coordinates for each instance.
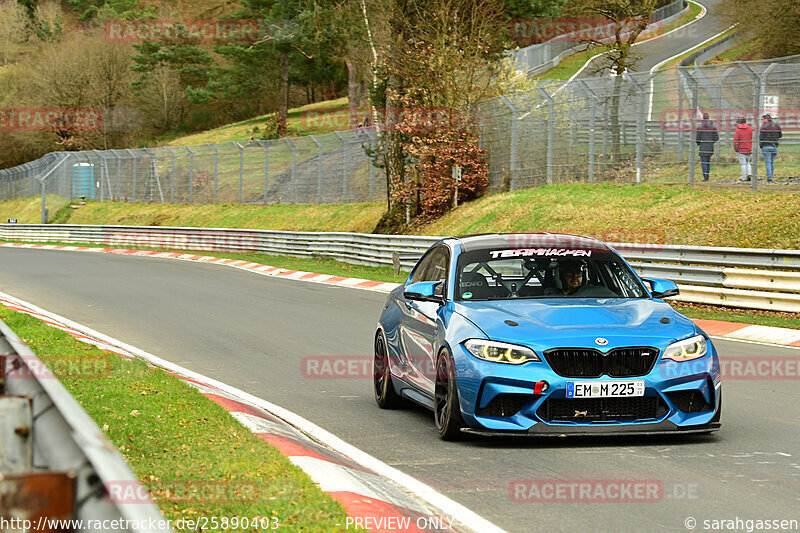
(465, 516)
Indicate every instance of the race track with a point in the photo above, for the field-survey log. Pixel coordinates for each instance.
(253, 331)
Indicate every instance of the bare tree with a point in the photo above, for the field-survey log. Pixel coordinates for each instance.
(12, 30)
(628, 19)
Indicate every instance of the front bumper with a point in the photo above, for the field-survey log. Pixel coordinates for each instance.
(539, 430)
(500, 399)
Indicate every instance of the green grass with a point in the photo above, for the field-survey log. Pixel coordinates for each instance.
(29, 210)
(667, 214)
(193, 457)
(762, 318)
(360, 218)
(744, 51)
(630, 213)
(313, 119)
(571, 64)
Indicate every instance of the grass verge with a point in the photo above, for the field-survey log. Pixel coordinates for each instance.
(313, 119)
(192, 456)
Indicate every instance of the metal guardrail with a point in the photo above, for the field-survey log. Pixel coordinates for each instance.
(761, 278)
(55, 462)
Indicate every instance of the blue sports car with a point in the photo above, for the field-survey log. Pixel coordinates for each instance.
(542, 334)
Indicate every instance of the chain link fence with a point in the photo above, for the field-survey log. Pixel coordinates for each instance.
(332, 168)
(632, 128)
(639, 127)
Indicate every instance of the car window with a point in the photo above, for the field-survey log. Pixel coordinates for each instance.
(433, 266)
(488, 275)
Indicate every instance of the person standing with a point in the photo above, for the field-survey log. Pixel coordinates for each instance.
(768, 142)
(707, 135)
(743, 146)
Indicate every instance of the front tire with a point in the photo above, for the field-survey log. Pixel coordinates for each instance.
(385, 395)
(447, 410)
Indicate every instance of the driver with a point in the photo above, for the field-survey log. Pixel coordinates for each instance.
(571, 274)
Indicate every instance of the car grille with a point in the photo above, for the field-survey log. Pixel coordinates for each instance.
(505, 405)
(589, 363)
(602, 409)
(689, 401)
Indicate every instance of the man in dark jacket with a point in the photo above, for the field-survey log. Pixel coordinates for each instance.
(707, 135)
(768, 142)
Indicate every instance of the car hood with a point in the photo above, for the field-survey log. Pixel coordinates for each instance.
(578, 321)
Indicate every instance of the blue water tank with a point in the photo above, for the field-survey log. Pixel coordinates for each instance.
(83, 180)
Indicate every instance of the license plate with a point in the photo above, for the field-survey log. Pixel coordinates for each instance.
(604, 389)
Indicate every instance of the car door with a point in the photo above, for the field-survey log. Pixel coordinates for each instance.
(419, 323)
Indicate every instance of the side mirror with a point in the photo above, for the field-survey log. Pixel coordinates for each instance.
(425, 291)
(662, 288)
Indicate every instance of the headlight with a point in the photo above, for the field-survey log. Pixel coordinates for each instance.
(687, 349)
(500, 352)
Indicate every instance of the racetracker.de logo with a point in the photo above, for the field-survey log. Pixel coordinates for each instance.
(366, 119)
(57, 367)
(738, 367)
(726, 119)
(586, 491)
(51, 119)
(185, 31)
(530, 31)
(198, 491)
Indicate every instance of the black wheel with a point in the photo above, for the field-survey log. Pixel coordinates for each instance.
(446, 411)
(385, 394)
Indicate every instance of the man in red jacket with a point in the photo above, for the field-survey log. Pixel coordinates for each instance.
(743, 146)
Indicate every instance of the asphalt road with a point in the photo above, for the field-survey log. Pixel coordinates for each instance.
(252, 332)
(653, 52)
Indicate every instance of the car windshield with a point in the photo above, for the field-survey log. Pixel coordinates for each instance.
(510, 274)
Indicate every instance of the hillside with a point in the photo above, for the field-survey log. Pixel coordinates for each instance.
(645, 213)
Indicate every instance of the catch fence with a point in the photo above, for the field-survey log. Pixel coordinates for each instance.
(633, 128)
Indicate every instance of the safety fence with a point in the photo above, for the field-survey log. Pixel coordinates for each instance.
(738, 277)
(55, 463)
(631, 128)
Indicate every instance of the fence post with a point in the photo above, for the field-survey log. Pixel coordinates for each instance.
(216, 160)
(191, 175)
(371, 167)
(550, 117)
(319, 168)
(512, 170)
(640, 119)
(134, 158)
(592, 119)
(266, 169)
(291, 171)
(693, 136)
(119, 173)
(728, 72)
(680, 119)
(241, 171)
(344, 166)
(172, 175)
(756, 120)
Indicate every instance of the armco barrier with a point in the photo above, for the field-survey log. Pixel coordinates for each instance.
(741, 277)
(55, 462)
